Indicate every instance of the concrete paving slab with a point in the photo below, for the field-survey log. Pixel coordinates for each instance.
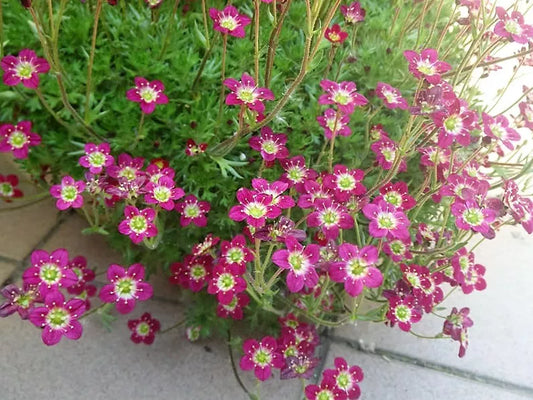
(6, 269)
(500, 344)
(104, 365)
(393, 380)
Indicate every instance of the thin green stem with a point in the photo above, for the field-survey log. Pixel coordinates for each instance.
(206, 26)
(49, 108)
(203, 63)
(91, 58)
(256, 40)
(169, 30)
(139, 131)
(176, 325)
(222, 77)
(234, 368)
(272, 43)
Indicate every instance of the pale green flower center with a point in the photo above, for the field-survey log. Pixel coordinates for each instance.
(69, 193)
(246, 94)
(390, 96)
(256, 210)
(342, 97)
(402, 313)
(24, 70)
(198, 272)
(497, 130)
(389, 154)
(473, 216)
(191, 211)
(96, 159)
(330, 217)
(143, 329)
(225, 282)
(295, 174)
(356, 268)
(269, 147)
(386, 221)
(50, 273)
(325, 394)
(125, 287)
(397, 247)
(128, 173)
(228, 22)
(344, 381)
(393, 198)
(6, 189)
(346, 182)
(148, 94)
(23, 300)
(17, 139)
(453, 124)
(513, 27)
(57, 318)
(262, 358)
(138, 224)
(162, 194)
(296, 261)
(426, 67)
(414, 280)
(235, 255)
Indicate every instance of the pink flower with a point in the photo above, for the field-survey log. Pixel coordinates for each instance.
(426, 65)
(396, 194)
(127, 167)
(25, 69)
(193, 273)
(58, 318)
(8, 187)
(521, 208)
(385, 150)
(467, 273)
(270, 144)
(261, 357)
(245, 92)
(229, 21)
(345, 377)
(17, 139)
(68, 193)
(17, 300)
(404, 312)
(456, 325)
(226, 282)
(235, 254)
(386, 221)
(357, 268)
(342, 94)
(127, 286)
(345, 183)
(138, 224)
(192, 149)
(335, 34)
(143, 330)
(424, 285)
(79, 266)
(353, 13)
(193, 211)
(330, 217)
(254, 207)
(398, 249)
(96, 157)
(499, 129)
(163, 193)
(300, 261)
(148, 94)
(470, 216)
(234, 309)
(526, 112)
(274, 189)
(391, 96)
(328, 390)
(334, 124)
(205, 247)
(512, 27)
(455, 124)
(296, 172)
(49, 272)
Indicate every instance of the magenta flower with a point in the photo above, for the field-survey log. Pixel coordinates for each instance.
(424, 285)
(342, 94)
(138, 224)
(467, 273)
(79, 266)
(17, 139)
(357, 268)
(205, 246)
(143, 330)
(158, 168)
(270, 144)
(49, 271)
(163, 192)
(300, 261)
(333, 124)
(235, 254)
(96, 157)
(234, 309)
(328, 390)
(313, 191)
(455, 124)
(386, 150)
(330, 217)
(396, 194)
(526, 114)
(274, 189)
(434, 157)
(345, 183)
(403, 311)
(521, 208)
(335, 34)
(254, 207)
(296, 172)
(464, 187)
(426, 65)
(126, 288)
(456, 325)
(345, 377)
(229, 21)
(17, 300)
(58, 318)
(386, 220)
(499, 129)
(391, 96)
(148, 94)
(398, 249)
(127, 167)
(193, 273)
(261, 357)
(470, 216)
(68, 193)
(25, 69)
(353, 13)
(8, 188)
(512, 27)
(193, 211)
(192, 148)
(226, 282)
(245, 92)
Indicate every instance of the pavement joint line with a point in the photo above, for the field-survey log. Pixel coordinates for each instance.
(9, 260)
(471, 376)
